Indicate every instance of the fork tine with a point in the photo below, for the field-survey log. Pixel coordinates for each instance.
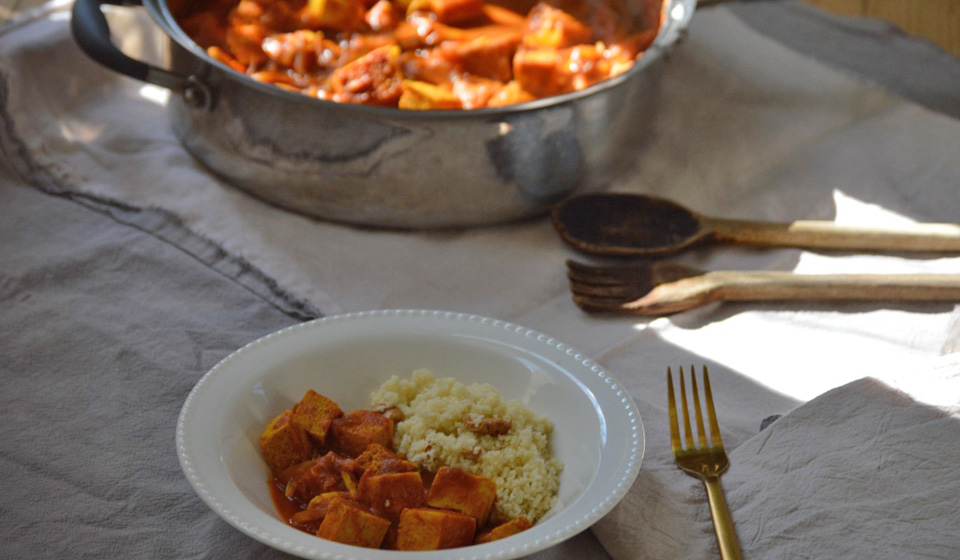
(711, 413)
(582, 274)
(635, 277)
(701, 428)
(597, 305)
(615, 292)
(604, 272)
(687, 431)
(674, 427)
(588, 274)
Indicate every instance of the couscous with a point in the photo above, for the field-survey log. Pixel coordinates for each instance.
(471, 427)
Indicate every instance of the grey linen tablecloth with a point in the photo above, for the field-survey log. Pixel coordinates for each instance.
(104, 329)
(111, 311)
(108, 317)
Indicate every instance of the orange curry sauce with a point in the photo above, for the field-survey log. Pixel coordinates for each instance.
(423, 54)
(335, 475)
(287, 508)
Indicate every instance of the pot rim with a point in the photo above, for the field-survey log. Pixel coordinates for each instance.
(676, 20)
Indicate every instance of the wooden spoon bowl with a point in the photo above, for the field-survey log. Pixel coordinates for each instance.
(645, 226)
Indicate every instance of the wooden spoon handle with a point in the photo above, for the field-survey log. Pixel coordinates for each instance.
(811, 234)
(776, 285)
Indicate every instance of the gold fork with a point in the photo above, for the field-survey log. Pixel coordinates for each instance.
(706, 462)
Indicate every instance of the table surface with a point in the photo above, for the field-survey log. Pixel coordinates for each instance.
(111, 311)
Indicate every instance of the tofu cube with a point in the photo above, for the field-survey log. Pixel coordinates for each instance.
(549, 27)
(315, 413)
(284, 443)
(509, 94)
(390, 494)
(434, 529)
(487, 56)
(540, 71)
(504, 530)
(350, 523)
(355, 431)
(461, 491)
(422, 96)
(317, 509)
(377, 459)
(545, 72)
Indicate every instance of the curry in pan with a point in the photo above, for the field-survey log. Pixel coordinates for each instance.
(424, 54)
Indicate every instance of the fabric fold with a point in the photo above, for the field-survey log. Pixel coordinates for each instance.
(863, 471)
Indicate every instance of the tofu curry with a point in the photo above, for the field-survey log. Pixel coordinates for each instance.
(424, 54)
(335, 475)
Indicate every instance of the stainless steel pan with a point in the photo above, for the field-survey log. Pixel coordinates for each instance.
(389, 167)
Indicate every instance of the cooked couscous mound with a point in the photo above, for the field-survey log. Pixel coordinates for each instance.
(471, 427)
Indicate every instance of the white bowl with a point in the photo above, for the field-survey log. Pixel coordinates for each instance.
(597, 432)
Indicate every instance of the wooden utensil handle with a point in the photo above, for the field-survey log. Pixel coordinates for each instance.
(776, 285)
(828, 235)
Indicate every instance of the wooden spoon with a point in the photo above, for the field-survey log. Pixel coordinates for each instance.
(645, 226)
(662, 288)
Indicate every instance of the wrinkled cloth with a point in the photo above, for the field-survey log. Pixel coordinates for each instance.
(863, 471)
(127, 270)
(94, 367)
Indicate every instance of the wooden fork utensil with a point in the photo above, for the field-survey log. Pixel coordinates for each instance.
(662, 288)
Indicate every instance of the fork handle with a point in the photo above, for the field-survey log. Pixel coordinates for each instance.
(722, 522)
(779, 285)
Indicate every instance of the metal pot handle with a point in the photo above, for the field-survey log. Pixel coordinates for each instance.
(92, 33)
